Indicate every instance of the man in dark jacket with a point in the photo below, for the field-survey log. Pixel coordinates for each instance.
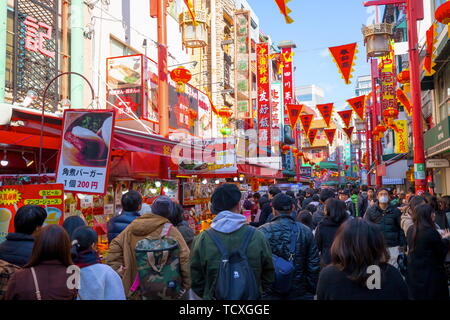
(318, 216)
(306, 257)
(230, 227)
(266, 207)
(308, 198)
(17, 247)
(387, 217)
(344, 195)
(363, 201)
(131, 205)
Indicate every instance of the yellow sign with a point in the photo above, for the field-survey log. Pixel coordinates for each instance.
(50, 193)
(9, 197)
(401, 137)
(43, 202)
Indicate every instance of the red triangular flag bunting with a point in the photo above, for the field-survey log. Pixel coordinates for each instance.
(346, 117)
(403, 99)
(312, 136)
(330, 133)
(358, 105)
(294, 111)
(306, 120)
(326, 110)
(349, 132)
(428, 62)
(344, 57)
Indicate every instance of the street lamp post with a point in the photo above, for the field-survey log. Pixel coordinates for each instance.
(414, 13)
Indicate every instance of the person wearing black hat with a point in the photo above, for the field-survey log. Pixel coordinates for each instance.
(279, 232)
(266, 207)
(230, 227)
(344, 195)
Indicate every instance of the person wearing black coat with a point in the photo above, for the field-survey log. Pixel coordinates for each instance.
(335, 215)
(306, 257)
(131, 204)
(388, 219)
(426, 275)
(266, 207)
(18, 246)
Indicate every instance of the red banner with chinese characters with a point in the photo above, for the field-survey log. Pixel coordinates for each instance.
(312, 135)
(388, 82)
(349, 132)
(48, 196)
(358, 105)
(404, 100)
(330, 133)
(264, 110)
(428, 62)
(288, 80)
(306, 120)
(326, 110)
(346, 117)
(344, 57)
(294, 111)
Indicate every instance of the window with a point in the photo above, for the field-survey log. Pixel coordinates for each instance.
(118, 48)
(305, 97)
(443, 93)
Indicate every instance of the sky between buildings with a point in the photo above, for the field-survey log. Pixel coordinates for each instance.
(319, 24)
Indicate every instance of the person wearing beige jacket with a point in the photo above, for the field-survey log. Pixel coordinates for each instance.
(121, 256)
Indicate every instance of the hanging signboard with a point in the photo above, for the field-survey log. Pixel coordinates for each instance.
(204, 122)
(48, 196)
(326, 110)
(84, 156)
(264, 107)
(401, 136)
(277, 115)
(344, 57)
(183, 108)
(388, 82)
(288, 80)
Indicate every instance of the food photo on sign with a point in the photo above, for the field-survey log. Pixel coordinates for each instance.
(85, 150)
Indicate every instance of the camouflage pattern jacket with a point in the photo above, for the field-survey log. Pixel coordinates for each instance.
(121, 249)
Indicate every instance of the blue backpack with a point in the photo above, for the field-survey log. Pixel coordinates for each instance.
(236, 278)
(284, 269)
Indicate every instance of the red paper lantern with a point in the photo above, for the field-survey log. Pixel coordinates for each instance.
(285, 148)
(294, 150)
(404, 77)
(181, 76)
(442, 13)
(225, 113)
(390, 114)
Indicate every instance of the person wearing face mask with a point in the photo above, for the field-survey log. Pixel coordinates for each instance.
(388, 217)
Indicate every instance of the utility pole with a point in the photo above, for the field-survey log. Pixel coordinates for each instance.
(163, 85)
(414, 13)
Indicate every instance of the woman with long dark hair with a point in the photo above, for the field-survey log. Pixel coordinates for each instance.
(440, 218)
(335, 214)
(45, 276)
(406, 220)
(97, 281)
(359, 268)
(426, 275)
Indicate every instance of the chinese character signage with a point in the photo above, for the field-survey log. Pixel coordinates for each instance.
(349, 132)
(326, 110)
(401, 136)
(288, 80)
(277, 113)
(344, 57)
(211, 156)
(36, 49)
(84, 156)
(242, 68)
(346, 117)
(306, 120)
(330, 133)
(48, 196)
(264, 107)
(312, 134)
(183, 108)
(294, 111)
(388, 82)
(358, 105)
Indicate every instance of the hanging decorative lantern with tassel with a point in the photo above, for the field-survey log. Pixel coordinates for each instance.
(405, 79)
(285, 149)
(225, 113)
(181, 76)
(194, 32)
(377, 38)
(389, 115)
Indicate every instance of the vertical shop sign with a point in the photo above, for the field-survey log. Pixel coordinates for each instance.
(276, 93)
(242, 58)
(388, 82)
(264, 107)
(288, 82)
(401, 136)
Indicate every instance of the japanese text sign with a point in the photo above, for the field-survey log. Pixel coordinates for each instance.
(344, 57)
(84, 156)
(349, 132)
(326, 110)
(288, 80)
(264, 101)
(48, 196)
(346, 117)
(294, 111)
(312, 135)
(388, 82)
(401, 136)
(358, 105)
(330, 133)
(36, 33)
(306, 120)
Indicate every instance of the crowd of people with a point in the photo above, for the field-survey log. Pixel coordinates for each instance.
(316, 244)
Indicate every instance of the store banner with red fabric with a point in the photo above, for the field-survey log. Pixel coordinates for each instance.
(388, 82)
(326, 110)
(349, 132)
(264, 107)
(344, 57)
(48, 196)
(346, 117)
(84, 157)
(358, 105)
(306, 120)
(330, 133)
(288, 80)
(312, 135)
(282, 5)
(428, 62)
(294, 111)
(277, 113)
(404, 101)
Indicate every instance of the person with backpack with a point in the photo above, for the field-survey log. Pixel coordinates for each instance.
(131, 205)
(231, 260)
(363, 201)
(294, 253)
(45, 276)
(18, 246)
(152, 255)
(97, 281)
